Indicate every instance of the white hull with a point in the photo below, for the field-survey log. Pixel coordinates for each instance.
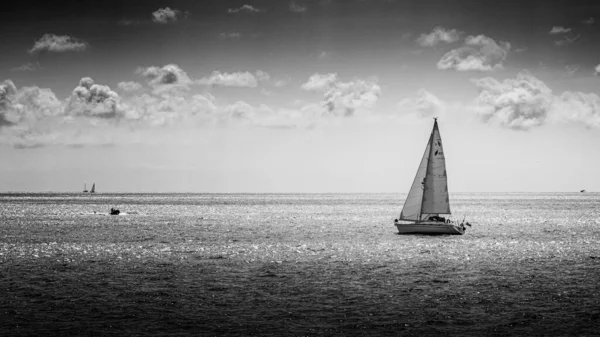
(429, 228)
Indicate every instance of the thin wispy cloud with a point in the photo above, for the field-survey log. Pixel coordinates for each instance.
(571, 69)
(297, 8)
(236, 79)
(165, 15)
(597, 70)
(559, 30)
(589, 21)
(27, 67)
(425, 104)
(127, 22)
(480, 53)
(244, 9)
(58, 44)
(437, 35)
(566, 41)
(231, 36)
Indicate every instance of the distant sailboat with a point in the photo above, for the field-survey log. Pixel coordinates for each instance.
(582, 191)
(428, 196)
(93, 190)
(84, 188)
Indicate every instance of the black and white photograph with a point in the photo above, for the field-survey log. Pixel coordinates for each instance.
(300, 168)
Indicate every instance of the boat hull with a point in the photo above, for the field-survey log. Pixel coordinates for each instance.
(431, 228)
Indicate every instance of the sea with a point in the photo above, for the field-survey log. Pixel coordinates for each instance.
(296, 265)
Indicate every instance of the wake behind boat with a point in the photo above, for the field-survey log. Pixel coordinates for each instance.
(428, 197)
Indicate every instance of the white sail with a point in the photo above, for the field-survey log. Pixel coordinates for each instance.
(412, 204)
(93, 190)
(435, 193)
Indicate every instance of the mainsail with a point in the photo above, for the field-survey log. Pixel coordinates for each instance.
(93, 190)
(435, 193)
(429, 191)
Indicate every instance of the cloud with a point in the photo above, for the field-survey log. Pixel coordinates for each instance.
(344, 98)
(237, 79)
(519, 104)
(231, 36)
(244, 9)
(589, 21)
(93, 100)
(479, 53)
(571, 69)
(324, 55)
(579, 107)
(437, 35)
(263, 116)
(527, 102)
(559, 30)
(294, 7)
(94, 114)
(129, 86)
(27, 67)
(425, 104)
(26, 112)
(597, 70)
(168, 77)
(168, 108)
(165, 15)
(319, 82)
(7, 92)
(566, 41)
(127, 22)
(59, 44)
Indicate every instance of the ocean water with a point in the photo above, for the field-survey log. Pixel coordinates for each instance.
(297, 265)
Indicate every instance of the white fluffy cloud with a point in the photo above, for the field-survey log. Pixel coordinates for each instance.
(559, 30)
(244, 9)
(344, 98)
(437, 35)
(597, 70)
(93, 100)
(320, 82)
(26, 105)
(56, 43)
(165, 15)
(168, 108)
(479, 53)
(166, 78)
(579, 107)
(526, 102)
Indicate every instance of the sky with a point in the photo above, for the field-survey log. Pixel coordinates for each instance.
(282, 96)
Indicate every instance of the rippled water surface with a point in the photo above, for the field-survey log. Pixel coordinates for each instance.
(296, 264)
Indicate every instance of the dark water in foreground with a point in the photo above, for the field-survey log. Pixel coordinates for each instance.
(297, 264)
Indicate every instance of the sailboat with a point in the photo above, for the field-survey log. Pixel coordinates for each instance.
(84, 188)
(428, 198)
(93, 190)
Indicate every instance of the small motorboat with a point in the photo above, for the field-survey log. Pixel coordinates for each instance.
(114, 211)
